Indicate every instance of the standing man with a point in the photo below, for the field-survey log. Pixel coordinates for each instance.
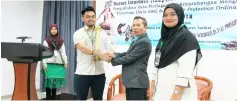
(92, 45)
(134, 62)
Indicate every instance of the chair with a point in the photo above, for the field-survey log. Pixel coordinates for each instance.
(204, 86)
(122, 94)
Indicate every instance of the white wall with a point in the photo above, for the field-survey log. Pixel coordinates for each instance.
(219, 66)
(19, 18)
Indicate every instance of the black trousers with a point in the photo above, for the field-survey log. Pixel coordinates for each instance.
(50, 93)
(96, 82)
(136, 93)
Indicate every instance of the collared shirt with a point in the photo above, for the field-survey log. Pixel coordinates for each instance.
(136, 37)
(85, 63)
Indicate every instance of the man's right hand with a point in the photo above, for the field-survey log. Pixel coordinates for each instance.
(107, 56)
(111, 54)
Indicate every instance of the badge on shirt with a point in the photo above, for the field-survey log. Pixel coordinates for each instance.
(55, 53)
(157, 58)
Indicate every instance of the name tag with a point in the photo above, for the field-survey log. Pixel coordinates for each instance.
(55, 53)
(157, 58)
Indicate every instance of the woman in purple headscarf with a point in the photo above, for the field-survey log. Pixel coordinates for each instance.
(54, 67)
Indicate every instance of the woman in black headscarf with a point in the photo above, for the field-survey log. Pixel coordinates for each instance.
(177, 54)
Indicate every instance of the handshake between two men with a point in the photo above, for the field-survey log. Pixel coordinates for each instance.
(106, 56)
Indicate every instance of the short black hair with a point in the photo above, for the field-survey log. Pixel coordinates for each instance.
(87, 9)
(142, 18)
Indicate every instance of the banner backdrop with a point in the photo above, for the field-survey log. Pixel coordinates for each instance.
(212, 22)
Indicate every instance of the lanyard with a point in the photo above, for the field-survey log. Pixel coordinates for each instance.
(92, 39)
(181, 26)
(161, 44)
(96, 39)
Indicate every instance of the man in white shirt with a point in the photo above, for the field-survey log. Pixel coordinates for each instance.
(92, 45)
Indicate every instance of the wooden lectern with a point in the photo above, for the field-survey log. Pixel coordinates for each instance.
(24, 57)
